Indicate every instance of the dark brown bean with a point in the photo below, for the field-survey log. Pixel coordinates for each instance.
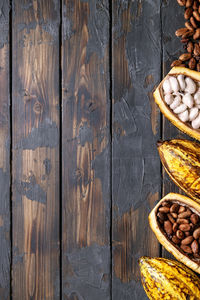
(189, 26)
(164, 209)
(185, 214)
(188, 13)
(195, 247)
(171, 218)
(194, 219)
(196, 233)
(180, 234)
(184, 227)
(196, 50)
(175, 227)
(176, 63)
(188, 240)
(190, 47)
(196, 34)
(193, 22)
(191, 226)
(175, 240)
(184, 40)
(181, 209)
(168, 227)
(162, 216)
(182, 221)
(174, 208)
(186, 249)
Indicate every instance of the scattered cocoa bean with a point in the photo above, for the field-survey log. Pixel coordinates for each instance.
(189, 26)
(176, 63)
(168, 227)
(195, 247)
(193, 22)
(180, 234)
(188, 13)
(194, 219)
(196, 49)
(196, 15)
(184, 227)
(188, 240)
(184, 40)
(186, 249)
(185, 56)
(196, 34)
(196, 233)
(190, 47)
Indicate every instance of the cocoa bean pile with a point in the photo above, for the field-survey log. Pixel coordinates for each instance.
(190, 36)
(182, 227)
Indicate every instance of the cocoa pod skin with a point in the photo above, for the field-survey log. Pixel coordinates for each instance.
(194, 219)
(195, 247)
(184, 227)
(188, 240)
(196, 233)
(186, 249)
(168, 227)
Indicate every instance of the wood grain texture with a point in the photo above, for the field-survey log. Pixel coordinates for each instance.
(172, 48)
(136, 167)
(35, 126)
(4, 153)
(85, 150)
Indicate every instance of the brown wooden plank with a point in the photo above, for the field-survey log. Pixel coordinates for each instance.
(4, 153)
(85, 150)
(136, 167)
(172, 19)
(35, 127)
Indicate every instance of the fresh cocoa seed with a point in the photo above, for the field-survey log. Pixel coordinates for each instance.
(185, 56)
(162, 216)
(175, 240)
(181, 209)
(196, 15)
(196, 233)
(168, 227)
(196, 34)
(188, 13)
(186, 249)
(194, 219)
(164, 209)
(184, 227)
(176, 63)
(175, 227)
(196, 50)
(181, 2)
(171, 218)
(189, 26)
(166, 203)
(180, 234)
(188, 240)
(193, 22)
(174, 215)
(175, 207)
(185, 214)
(195, 247)
(182, 221)
(190, 47)
(192, 63)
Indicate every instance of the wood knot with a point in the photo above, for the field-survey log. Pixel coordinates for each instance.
(37, 108)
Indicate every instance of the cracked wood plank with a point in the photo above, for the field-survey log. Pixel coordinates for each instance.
(136, 127)
(85, 150)
(35, 127)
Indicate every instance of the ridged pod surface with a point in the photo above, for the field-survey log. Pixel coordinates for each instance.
(168, 280)
(181, 160)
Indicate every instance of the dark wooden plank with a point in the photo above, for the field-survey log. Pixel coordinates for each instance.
(4, 153)
(136, 166)
(85, 150)
(35, 126)
(172, 19)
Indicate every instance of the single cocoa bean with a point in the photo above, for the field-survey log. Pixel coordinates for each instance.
(175, 240)
(175, 227)
(184, 227)
(186, 249)
(181, 209)
(166, 203)
(196, 15)
(188, 13)
(189, 3)
(162, 216)
(189, 26)
(185, 214)
(185, 56)
(188, 240)
(174, 215)
(193, 22)
(168, 227)
(196, 34)
(176, 63)
(196, 233)
(181, 2)
(194, 219)
(180, 234)
(171, 218)
(188, 34)
(175, 207)
(196, 50)
(192, 63)
(164, 209)
(182, 221)
(190, 47)
(195, 5)
(195, 247)
(181, 31)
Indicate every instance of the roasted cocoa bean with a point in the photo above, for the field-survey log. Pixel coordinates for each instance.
(176, 63)
(174, 215)
(196, 15)
(188, 240)
(182, 221)
(189, 26)
(181, 209)
(196, 34)
(196, 233)
(180, 234)
(184, 227)
(192, 63)
(164, 209)
(175, 240)
(186, 249)
(195, 5)
(175, 207)
(195, 247)
(185, 214)
(184, 40)
(168, 227)
(189, 3)
(171, 218)
(188, 13)
(162, 216)
(185, 56)
(193, 22)
(190, 47)
(166, 203)
(194, 219)
(196, 50)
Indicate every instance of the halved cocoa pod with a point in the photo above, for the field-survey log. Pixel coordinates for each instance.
(185, 247)
(181, 118)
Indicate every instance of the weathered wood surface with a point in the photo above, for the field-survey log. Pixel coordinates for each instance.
(4, 153)
(136, 56)
(85, 150)
(35, 126)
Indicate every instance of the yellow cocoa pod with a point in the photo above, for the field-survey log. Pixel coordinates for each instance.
(181, 160)
(168, 280)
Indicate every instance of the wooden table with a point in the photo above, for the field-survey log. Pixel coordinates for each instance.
(79, 168)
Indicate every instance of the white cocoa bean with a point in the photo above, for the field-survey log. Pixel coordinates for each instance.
(188, 100)
(190, 85)
(197, 98)
(167, 87)
(181, 108)
(196, 122)
(176, 102)
(193, 113)
(169, 99)
(184, 116)
(174, 84)
(181, 82)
